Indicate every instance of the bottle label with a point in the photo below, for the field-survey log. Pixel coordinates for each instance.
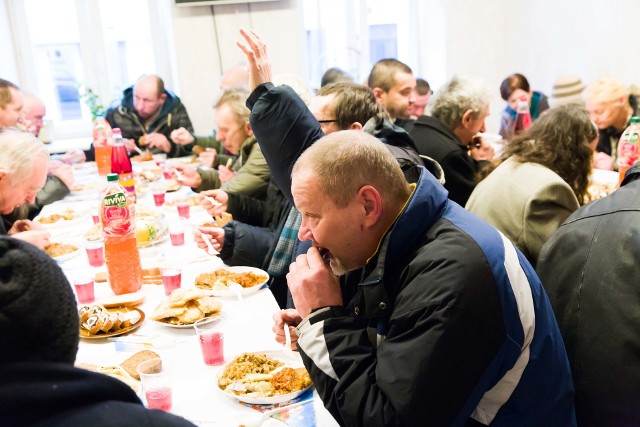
(116, 215)
(628, 148)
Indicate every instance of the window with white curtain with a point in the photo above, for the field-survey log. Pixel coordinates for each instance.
(354, 34)
(70, 46)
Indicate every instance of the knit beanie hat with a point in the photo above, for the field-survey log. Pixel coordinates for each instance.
(567, 89)
(38, 312)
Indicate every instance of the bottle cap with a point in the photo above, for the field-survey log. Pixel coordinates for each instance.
(112, 177)
(634, 119)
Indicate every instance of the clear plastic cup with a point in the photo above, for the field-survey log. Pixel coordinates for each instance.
(157, 384)
(211, 337)
(171, 279)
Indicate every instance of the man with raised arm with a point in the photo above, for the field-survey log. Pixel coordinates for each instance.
(395, 325)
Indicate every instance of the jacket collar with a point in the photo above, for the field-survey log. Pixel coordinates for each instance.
(425, 206)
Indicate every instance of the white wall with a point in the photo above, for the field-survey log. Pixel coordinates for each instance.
(205, 41)
(542, 39)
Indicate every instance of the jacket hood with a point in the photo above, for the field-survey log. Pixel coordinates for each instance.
(170, 103)
(389, 133)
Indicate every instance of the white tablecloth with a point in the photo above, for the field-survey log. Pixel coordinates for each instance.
(247, 323)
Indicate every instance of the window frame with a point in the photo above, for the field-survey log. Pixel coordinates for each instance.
(92, 53)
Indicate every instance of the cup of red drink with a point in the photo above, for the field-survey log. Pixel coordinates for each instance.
(84, 289)
(176, 233)
(211, 337)
(156, 382)
(158, 196)
(94, 245)
(183, 209)
(171, 279)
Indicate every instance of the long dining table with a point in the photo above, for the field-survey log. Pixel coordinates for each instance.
(246, 321)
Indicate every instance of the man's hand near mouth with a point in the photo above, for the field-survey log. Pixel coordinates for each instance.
(312, 283)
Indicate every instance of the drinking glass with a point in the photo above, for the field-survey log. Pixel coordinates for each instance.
(156, 382)
(211, 336)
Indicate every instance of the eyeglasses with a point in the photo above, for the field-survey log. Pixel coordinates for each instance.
(327, 121)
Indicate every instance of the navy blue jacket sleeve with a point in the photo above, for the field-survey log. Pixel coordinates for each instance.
(284, 127)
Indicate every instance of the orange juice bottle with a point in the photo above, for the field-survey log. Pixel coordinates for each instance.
(102, 145)
(118, 219)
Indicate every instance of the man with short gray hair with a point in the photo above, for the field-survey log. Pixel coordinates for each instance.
(458, 112)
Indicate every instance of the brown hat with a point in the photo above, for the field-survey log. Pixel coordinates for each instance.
(567, 89)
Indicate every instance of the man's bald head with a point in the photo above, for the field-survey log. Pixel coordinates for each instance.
(33, 112)
(235, 76)
(148, 95)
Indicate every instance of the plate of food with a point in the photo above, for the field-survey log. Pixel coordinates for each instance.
(61, 251)
(150, 232)
(64, 218)
(601, 184)
(194, 201)
(218, 281)
(184, 307)
(96, 321)
(218, 221)
(263, 378)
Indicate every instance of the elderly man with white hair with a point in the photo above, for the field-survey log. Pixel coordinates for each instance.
(458, 112)
(23, 172)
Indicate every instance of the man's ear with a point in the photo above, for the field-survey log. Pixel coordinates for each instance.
(467, 117)
(247, 128)
(378, 92)
(163, 97)
(372, 204)
(355, 126)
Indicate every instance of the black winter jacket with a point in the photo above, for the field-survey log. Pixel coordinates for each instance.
(46, 394)
(589, 268)
(435, 139)
(172, 116)
(251, 237)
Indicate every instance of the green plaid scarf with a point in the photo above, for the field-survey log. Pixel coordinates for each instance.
(281, 258)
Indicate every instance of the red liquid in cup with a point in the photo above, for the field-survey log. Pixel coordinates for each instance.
(167, 174)
(212, 346)
(177, 239)
(95, 218)
(171, 280)
(160, 398)
(158, 199)
(84, 292)
(96, 256)
(183, 210)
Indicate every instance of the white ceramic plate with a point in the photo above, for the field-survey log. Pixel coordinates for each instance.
(245, 291)
(277, 355)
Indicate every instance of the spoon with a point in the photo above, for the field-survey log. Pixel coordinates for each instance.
(236, 288)
(250, 421)
(286, 348)
(138, 149)
(211, 251)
